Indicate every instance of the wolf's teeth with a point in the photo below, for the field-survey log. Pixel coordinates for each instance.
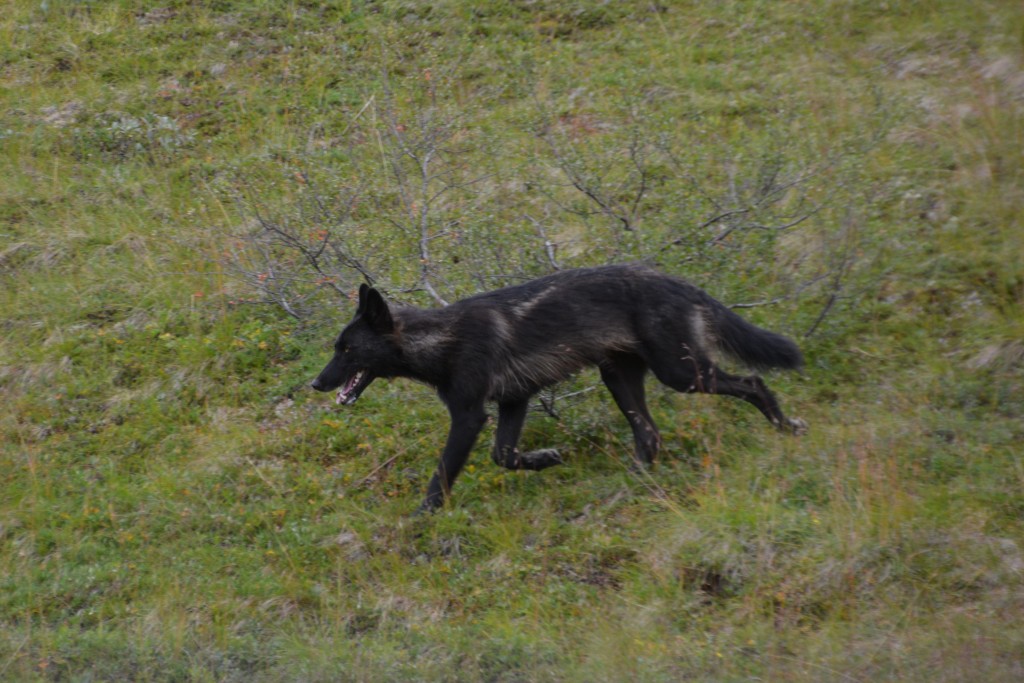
(343, 394)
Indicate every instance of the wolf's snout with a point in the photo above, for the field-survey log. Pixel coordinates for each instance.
(316, 384)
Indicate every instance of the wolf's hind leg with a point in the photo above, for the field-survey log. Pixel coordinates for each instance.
(623, 374)
(753, 390)
(511, 416)
(698, 375)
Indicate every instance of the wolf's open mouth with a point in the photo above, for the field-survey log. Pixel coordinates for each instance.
(348, 394)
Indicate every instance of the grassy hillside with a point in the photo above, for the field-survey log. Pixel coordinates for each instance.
(176, 505)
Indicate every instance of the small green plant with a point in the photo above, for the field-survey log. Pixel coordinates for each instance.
(121, 137)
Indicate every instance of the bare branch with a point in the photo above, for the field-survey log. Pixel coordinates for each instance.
(549, 246)
(791, 295)
(707, 224)
(592, 192)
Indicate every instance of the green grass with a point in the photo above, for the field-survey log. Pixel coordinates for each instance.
(175, 505)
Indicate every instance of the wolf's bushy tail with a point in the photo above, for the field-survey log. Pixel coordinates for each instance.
(754, 346)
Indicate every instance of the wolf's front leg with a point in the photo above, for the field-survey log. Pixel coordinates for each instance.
(466, 425)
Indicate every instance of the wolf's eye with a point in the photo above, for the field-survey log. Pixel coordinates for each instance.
(345, 350)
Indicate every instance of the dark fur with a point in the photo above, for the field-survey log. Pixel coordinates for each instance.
(505, 345)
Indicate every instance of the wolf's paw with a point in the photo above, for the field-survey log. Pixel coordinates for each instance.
(640, 467)
(429, 506)
(796, 426)
(539, 460)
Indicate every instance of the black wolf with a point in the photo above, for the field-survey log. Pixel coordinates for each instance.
(505, 345)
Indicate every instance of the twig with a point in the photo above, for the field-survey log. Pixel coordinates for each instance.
(375, 470)
(796, 292)
(547, 403)
(549, 246)
(766, 302)
(821, 316)
(358, 114)
(577, 180)
(707, 224)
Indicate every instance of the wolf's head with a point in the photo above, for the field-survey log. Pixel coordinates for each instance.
(365, 349)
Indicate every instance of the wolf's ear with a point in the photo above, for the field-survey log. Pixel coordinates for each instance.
(376, 311)
(363, 289)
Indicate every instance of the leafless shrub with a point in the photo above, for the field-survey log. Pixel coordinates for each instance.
(409, 214)
(290, 258)
(767, 215)
(425, 206)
